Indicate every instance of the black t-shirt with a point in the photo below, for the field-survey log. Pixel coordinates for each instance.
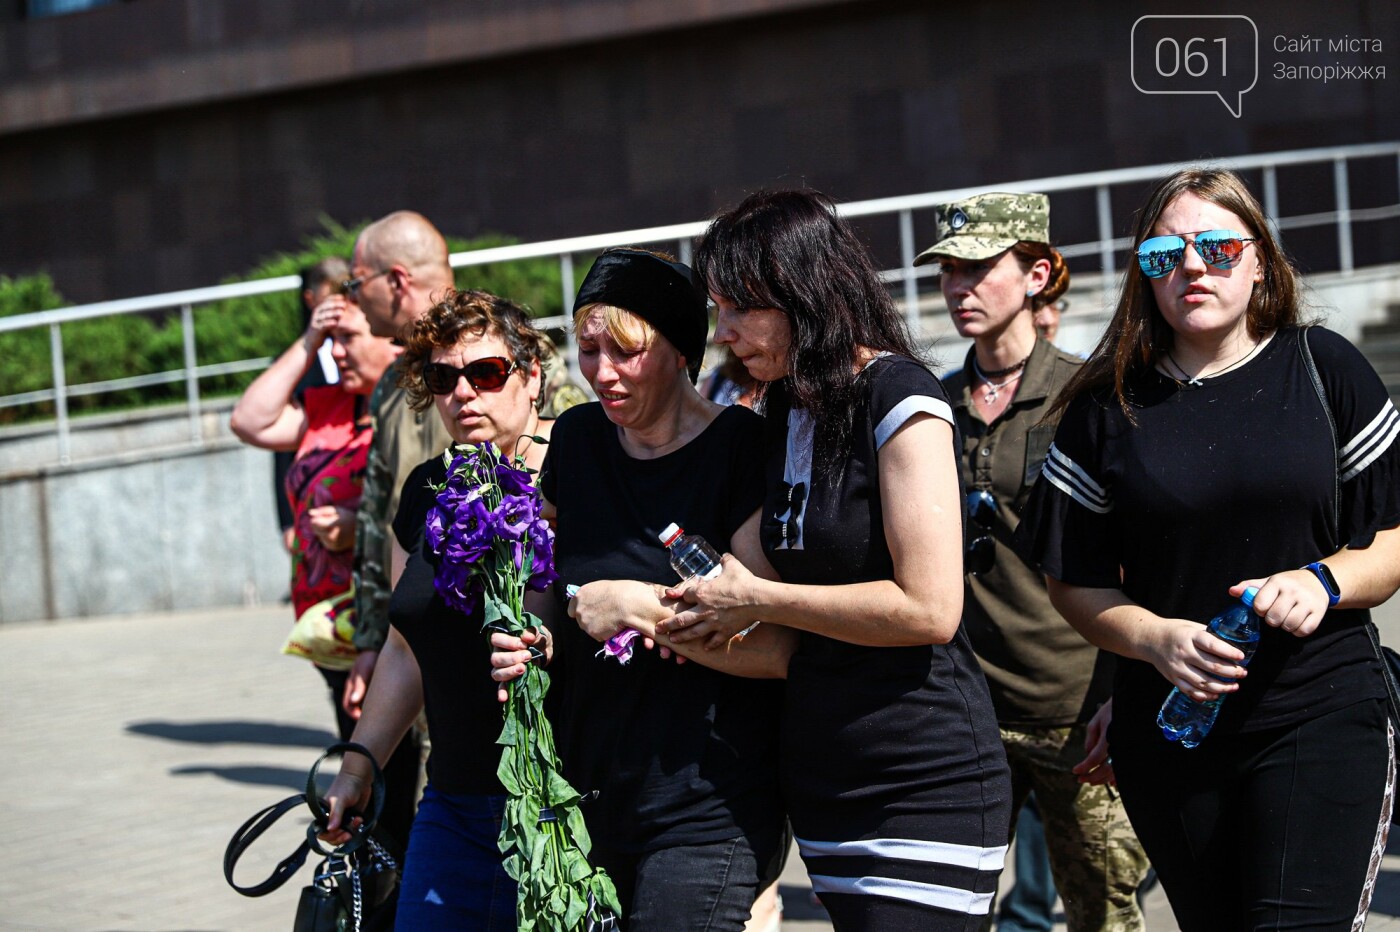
(453, 655)
(1232, 479)
(678, 754)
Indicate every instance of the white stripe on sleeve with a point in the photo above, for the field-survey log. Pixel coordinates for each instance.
(1069, 477)
(914, 404)
(1372, 441)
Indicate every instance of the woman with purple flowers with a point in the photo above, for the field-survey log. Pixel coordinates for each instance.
(476, 358)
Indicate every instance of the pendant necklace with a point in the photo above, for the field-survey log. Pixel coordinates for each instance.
(1196, 380)
(990, 389)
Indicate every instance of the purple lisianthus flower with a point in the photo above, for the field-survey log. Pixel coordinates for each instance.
(512, 517)
(514, 481)
(435, 528)
(542, 574)
(620, 645)
(459, 586)
(471, 532)
(465, 460)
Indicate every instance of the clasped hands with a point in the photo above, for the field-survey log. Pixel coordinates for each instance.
(602, 609)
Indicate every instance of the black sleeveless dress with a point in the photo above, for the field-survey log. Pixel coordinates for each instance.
(892, 766)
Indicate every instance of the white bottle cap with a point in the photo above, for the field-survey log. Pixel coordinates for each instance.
(673, 530)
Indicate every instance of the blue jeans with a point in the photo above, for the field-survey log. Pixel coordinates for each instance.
(1029, 906)
(453, 879)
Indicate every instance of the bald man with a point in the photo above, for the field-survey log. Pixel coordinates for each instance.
(399, 268)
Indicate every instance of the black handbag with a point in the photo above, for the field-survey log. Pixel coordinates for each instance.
(355, 889)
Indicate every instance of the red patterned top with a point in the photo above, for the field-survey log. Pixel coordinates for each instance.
(329, 469)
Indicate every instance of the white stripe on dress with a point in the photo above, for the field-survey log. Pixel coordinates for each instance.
(909, 849)
(914, 404)
(928, 894)
(1368, 445)
(1067, 476)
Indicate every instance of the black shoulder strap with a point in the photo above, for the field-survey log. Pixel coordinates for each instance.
(1321, 390)
(1392, 687)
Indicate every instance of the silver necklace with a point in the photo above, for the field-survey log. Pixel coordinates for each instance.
(990, 389)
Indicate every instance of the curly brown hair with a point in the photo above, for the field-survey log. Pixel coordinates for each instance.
(458, 313)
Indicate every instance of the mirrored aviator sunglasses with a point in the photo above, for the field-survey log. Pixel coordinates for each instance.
(484, 375)
(1221, 249)
(981, 553)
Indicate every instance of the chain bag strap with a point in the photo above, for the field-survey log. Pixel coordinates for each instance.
(355, 888)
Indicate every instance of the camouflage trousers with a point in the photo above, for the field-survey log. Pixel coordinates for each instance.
(1095, 858)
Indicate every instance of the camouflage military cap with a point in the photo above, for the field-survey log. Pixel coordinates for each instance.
(982, 226)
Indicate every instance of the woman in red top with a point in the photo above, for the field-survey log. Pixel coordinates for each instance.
(329, 429)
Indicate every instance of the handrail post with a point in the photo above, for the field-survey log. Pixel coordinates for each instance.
(685, 251)
(566, 285)
(191, 377)
(1105, 212)
(911, 281)
(1343, 191)
(1271, 197)
(60, 393)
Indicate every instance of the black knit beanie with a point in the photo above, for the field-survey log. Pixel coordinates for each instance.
(665, 294)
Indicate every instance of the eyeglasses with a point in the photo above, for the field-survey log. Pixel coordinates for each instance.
(351, 286)
(982, 551)
(484, 375)
(790, 501)
(1220, 248)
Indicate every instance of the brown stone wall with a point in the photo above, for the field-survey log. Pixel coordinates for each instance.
(868, 99)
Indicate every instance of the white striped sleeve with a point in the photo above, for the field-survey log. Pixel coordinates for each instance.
(1069, 477)
(1369, 443)
(902, 412)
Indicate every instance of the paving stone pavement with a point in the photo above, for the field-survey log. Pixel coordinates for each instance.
(138, 744)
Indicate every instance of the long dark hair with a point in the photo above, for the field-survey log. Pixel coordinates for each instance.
(788, 250)
(1138, 335)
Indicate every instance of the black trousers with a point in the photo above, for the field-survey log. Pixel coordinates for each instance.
(1277, 829)
(704, 887)
(400, 772)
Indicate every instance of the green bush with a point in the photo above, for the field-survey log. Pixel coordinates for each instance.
(225, 331)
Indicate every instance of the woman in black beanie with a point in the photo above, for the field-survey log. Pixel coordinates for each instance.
(677, 762)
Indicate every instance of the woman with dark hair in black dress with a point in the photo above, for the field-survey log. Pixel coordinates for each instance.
(892, 769)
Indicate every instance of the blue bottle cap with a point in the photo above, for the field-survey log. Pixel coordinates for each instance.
(1249, 594)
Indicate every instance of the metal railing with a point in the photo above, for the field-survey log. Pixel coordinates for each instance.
(681, 236)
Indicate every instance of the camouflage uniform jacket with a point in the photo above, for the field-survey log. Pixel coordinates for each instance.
(403, 438)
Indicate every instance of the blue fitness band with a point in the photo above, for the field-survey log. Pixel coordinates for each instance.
(1329, 582)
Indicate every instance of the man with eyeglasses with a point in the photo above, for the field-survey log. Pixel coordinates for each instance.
(398, 269)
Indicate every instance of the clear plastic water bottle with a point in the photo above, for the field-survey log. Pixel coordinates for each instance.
(690, 554)
(1183, 718)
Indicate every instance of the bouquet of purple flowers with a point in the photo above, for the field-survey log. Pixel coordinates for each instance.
(492, 544)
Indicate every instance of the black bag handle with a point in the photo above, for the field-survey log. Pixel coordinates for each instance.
(320, 814)
(248, 832)
(261, 821)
